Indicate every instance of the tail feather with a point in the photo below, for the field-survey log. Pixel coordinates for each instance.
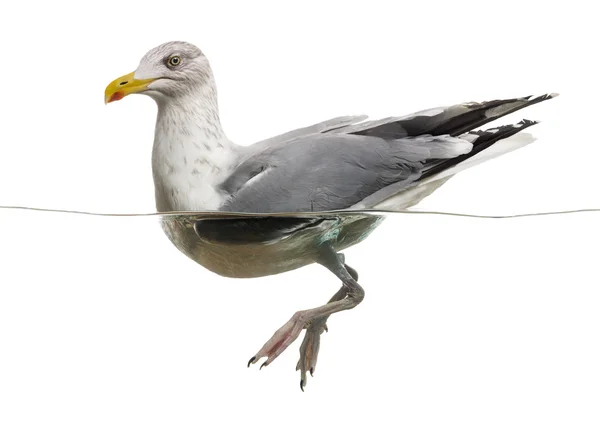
(487, 144)
(481, 140)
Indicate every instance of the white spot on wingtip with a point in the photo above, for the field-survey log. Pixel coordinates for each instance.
(552, 95)
(469, 137)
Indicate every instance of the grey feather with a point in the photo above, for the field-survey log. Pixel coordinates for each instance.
(324, 172)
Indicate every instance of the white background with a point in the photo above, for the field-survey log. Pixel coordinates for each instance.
(467, 323)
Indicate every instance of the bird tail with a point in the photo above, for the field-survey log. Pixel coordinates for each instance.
(482, 140)
(487, 144)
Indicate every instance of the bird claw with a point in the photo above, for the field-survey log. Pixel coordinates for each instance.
(254, 360)
(287, 334)
(309, 350)
(280, 340)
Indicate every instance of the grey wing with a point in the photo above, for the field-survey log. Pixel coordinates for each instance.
(324, 172)
(379, 159)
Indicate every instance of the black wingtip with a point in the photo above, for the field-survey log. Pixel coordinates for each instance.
(524, 123)
(453, 120)
(543, 97)
(484, 139)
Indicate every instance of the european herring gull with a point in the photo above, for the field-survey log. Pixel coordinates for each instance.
(343, 163)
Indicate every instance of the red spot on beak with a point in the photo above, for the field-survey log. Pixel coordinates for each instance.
(116, 96)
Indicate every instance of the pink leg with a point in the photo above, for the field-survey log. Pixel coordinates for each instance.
(314, 320)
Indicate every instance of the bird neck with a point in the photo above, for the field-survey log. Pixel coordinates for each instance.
(191, 155)
(196, 113)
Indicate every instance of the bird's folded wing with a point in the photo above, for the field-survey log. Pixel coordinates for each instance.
(308, 170)
(323, 172)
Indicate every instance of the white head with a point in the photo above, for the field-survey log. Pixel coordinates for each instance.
(168, 72)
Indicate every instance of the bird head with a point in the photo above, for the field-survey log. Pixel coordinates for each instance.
(170, 70)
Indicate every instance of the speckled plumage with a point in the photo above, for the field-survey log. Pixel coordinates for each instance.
(191, 153)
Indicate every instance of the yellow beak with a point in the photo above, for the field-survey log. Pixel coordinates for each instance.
(124, 86)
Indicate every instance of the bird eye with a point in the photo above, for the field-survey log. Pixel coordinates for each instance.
(174, 61)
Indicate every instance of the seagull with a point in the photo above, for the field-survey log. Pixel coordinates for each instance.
(345, 163)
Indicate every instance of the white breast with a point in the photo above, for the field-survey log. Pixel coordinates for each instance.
(188, 169)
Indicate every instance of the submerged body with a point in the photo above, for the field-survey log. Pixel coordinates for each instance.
(345, 163)
(250, 256)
